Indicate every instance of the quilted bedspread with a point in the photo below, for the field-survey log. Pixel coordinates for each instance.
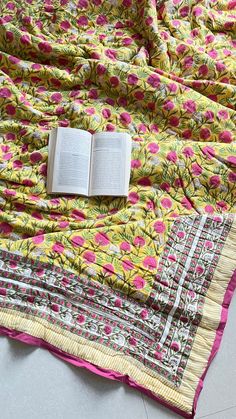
(134, 289)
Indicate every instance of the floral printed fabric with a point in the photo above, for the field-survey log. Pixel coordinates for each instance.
(165, 73)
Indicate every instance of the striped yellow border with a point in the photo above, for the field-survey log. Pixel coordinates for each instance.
(95, 353)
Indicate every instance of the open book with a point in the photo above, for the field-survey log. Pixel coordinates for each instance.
(85, 164)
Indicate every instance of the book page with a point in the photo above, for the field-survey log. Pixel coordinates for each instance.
(51, 154)
(110, 164)
(72, 161)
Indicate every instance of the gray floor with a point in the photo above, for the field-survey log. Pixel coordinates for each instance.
(36, 385)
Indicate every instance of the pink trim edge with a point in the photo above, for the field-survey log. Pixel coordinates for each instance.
(219, 334)
(113, 375)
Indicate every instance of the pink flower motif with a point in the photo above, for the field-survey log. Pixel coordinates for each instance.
(102, 239)
(111, 53)
(38, 239)
(45, 47)
(82, 4)
(203, 70)
(19, 207)
(78, 215)
(172, 258)
(196, 169)
(132, 341)
(209, 152)
(208, 244)
(3, 291)
(7, 156)
(144, 314)
(220, 66)
(10, 109)
(209, 39)
(232, 177)
(9, 192)
(189, 106)
(168, 105)
(222, 205)
(205, 133)
(122, 101)
(214, 181)
(165, 186)
(150, 262)
(154, 128)
(82, 21)
(133, 197)
(56, 97)
(209, 115)
(77, 241)
(135, 164)
(178, 183)
(209, 209)
(172, 87)
(58, 247)
(25, 39)
(107, 329)
(5, 228)
(132, 79)
(139, 241)
(35, 157)
(153, 148)
(139, 282)
(158, 355)
(101, 20)
(186, 203)
(93, 94)
(127, 265)
(55, 307)
(110, 127)
(114, 80)
(125, 118)
(181, 48)
(90, 111)
(139, 95)
(65, 25)
(222, 114)
(154, 80)
(118, 302)
(127, 41)
(14, 60)
(175, 346)
(63, 224)
(127, 3)
(89, 256)
(172, 156)
(142, 128)
(5, 92)
(81, 319)
(159, 227)
(106, 113)
(226, 136)
(166, 203)
(231, 5)
(144, 181)
(188, 152)
(199, 269)
(43, 169)
(125, 246)
(10, 136)
(108, 269)
(101, 69)
(174, 121)
(181, 234)
(184, 11)
(188, 62)
(187, 133)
